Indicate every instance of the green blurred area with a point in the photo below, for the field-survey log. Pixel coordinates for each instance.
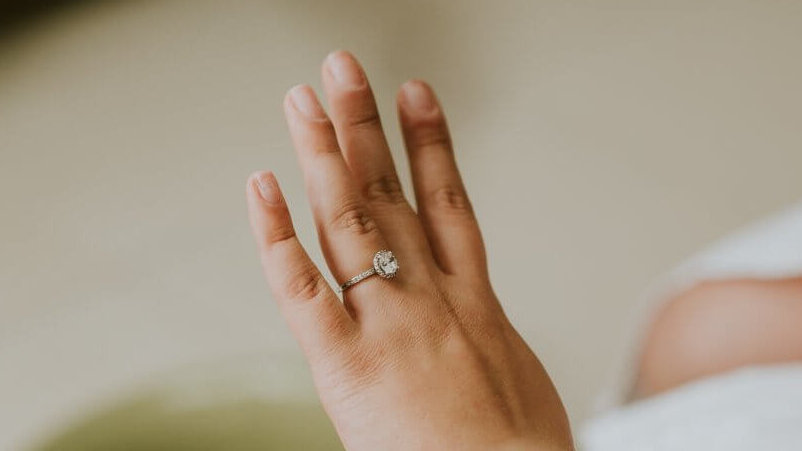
(154, 422)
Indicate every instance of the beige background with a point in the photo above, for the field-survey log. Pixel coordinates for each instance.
(602, 142)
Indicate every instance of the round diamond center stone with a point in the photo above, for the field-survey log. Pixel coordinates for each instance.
(385, 264)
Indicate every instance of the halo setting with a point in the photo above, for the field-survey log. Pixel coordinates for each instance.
(385, 264)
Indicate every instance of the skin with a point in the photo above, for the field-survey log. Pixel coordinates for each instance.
(427, 360)
(719, 326)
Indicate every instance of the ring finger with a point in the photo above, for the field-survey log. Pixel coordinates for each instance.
(349, 236)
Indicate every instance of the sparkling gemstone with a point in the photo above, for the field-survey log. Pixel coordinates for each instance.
(385, 264)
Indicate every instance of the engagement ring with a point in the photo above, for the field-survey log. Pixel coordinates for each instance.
(384, 264)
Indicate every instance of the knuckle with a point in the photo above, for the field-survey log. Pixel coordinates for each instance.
(325, 141)
(280, 234)
(386, 188)
(367, 118)
(305, 284)
(451, 199)
(326, 149)
(432, 135)
(352, 216)
(321, 125)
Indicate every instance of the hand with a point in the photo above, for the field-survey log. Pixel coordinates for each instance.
(426, 360)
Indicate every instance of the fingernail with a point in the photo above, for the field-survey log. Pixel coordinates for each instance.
(345, 70)
(268, 187)
(418, 98)
(305, 101)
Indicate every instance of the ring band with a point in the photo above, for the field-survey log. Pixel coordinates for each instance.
(384, 264)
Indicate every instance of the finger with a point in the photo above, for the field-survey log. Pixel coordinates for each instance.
(365, 150)
(443, 204)
(349, 236)
(315, 315)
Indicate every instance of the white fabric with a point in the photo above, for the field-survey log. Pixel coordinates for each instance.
(750, 409)
(756, 408)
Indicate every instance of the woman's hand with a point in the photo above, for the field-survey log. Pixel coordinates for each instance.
(426, 360)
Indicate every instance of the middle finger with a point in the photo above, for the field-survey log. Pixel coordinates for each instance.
(365, 150)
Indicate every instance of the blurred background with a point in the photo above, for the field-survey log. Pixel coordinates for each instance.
(601, 142)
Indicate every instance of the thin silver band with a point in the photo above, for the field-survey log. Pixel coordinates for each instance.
(356, 279)
(384, 265)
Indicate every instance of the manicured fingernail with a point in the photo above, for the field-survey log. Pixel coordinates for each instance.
(345, 69)
(305, 101)
(268, 187)
(418, 98)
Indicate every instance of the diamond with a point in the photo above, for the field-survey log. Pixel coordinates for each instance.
(385, 264)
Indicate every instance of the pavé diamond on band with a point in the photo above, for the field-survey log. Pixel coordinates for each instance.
(384, 264)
